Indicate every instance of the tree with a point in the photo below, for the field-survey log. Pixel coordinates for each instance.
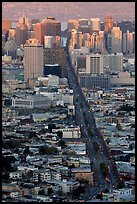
(104, 169)
(48, 150)
(41, 192)
(61, 143)
(96, 146)
(60, 134)
(51, 126)
(90, 133)
(26, 150)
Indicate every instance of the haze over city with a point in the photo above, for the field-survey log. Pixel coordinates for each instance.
(63, 11)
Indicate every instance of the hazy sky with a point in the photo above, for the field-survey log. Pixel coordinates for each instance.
(63, 11)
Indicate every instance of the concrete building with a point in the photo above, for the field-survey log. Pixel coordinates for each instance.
(83, 25)
(94, 80)
(116, 40)
(114, 62)
(33, 59)
(123, 78)
(33, 101)
(94, 64)
(70, 132)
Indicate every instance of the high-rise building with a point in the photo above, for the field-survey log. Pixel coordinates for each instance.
(33, 59)
(32, 22)
(116, 40)
(51, 41)
(72, 24)
(108, 24)
(12, 34)
(21, 34)
(83, 25)
(113, 62)
(49, 27)
(128, 42)
(6, 25)
(94, 64)
(83, 22)
(94, 25)
(24, 20)
(76, 39)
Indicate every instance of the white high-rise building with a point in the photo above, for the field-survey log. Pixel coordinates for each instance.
(94, 64)
(33, 59)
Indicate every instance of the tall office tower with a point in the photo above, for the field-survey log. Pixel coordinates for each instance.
(133, 42)
(76, 39)
(32, 22)
(101, 42)
(21, 34)
(94, 25)
(86, 40)
(83, 22)
(113, 62)
(48, 26)
(6, 25)
(72, 24)
(12, 34)
(51, 41)
(94, 64)
(128, 42)
(116, 39)
(83, 25)
(33, 59)
(108, 24)
(108, 41)
(97, 41)
(24, 20)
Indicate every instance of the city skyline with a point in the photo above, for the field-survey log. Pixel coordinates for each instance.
(63, 11)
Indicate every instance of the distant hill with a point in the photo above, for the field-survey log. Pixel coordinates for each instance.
(62, 11)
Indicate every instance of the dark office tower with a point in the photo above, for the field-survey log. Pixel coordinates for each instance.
(53, 69)
(32, 22)
(108, 24)
(56, 56)
(6, 25)
(21, 34)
